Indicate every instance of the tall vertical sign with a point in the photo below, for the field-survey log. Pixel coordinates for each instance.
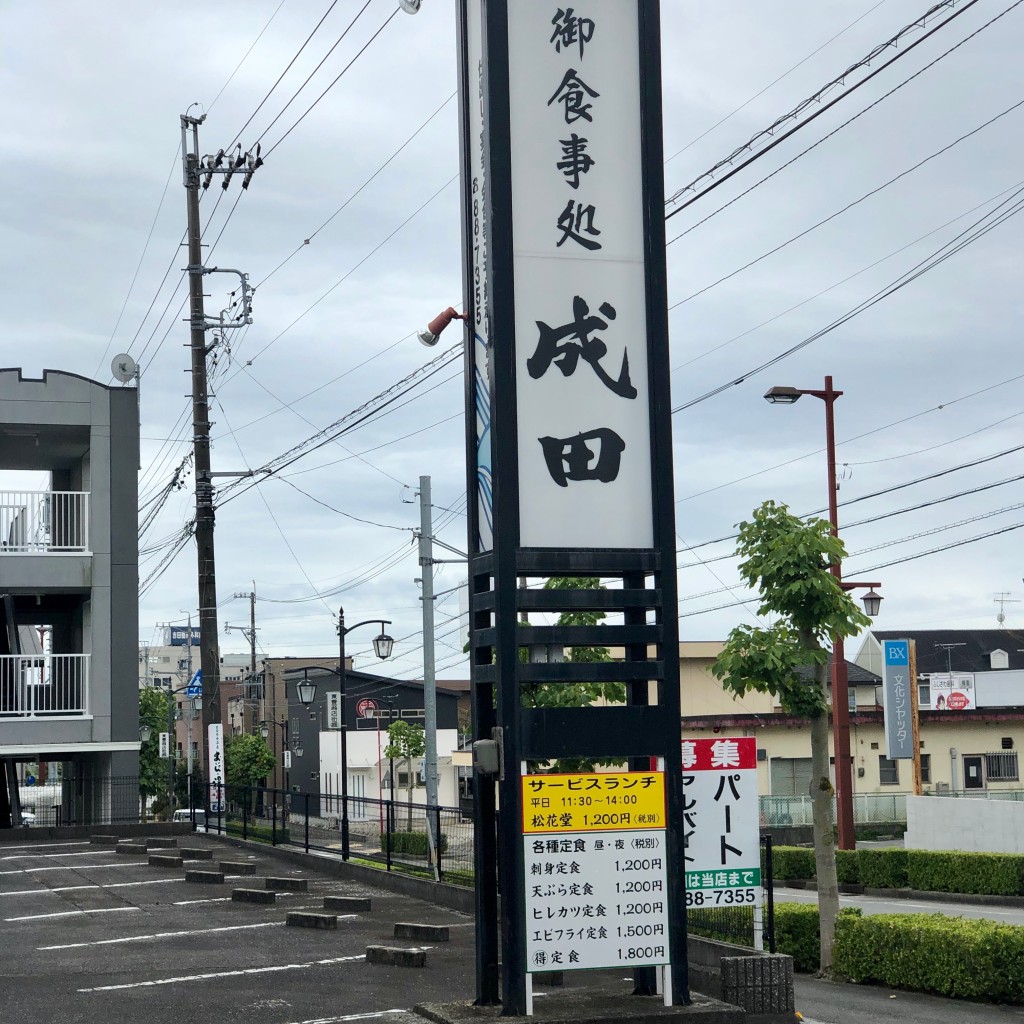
(215, 749)
(896, 703)
(569, 448)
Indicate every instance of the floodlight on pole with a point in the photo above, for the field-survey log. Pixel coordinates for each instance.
(432, 333)
(783, 395)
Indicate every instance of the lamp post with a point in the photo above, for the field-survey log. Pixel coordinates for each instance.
(872, 601)
(265, 727)
(382, 646)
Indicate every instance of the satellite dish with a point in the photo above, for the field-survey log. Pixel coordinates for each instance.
(124, 368)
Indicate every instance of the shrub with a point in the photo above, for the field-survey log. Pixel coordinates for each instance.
(797, 933)
(792, 862)
(884, 868)
(964, 959)
(847, 867)
(255, 833)
(998, 874)
(413, 843)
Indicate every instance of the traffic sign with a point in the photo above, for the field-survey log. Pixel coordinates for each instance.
(195, 686)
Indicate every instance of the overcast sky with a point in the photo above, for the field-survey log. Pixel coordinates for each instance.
(92, 211)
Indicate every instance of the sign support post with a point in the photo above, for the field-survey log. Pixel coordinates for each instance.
(569, 435)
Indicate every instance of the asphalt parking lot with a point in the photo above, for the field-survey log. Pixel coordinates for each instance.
(93, 936)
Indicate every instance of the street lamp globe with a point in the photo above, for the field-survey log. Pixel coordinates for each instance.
(264, 730)
(872, 603)
(306, 691)
(145, 733)
(383, 645)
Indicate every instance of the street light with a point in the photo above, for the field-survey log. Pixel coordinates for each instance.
(265, 727)
(306, 691)
(145, 733)
(840, 700)
(382, 646)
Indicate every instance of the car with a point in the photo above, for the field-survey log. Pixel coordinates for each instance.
(184, 816)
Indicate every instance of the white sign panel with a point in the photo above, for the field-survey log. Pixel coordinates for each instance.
(478, 302)
(578, 261)
(333, 710)
(897, 699)
(165, 744)
(952, 692)
(287, 759)
(721, 821)
(596, 899)
(215, 751)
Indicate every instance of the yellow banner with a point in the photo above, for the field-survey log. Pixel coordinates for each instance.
(593, 802)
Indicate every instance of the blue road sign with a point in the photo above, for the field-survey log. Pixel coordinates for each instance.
(195, 686)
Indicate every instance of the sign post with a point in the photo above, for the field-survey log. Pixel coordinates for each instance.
(215, 746)
(568, 426)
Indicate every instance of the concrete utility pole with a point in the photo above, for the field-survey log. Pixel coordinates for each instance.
(209, 657)
(195, 167)
(426, 553)
(249, 632)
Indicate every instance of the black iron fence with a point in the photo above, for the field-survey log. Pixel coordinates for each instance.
(83, 800)
(389, 834)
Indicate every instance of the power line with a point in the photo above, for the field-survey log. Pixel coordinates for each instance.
(838, 82)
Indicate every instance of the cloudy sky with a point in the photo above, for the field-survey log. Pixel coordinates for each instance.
(92, 212)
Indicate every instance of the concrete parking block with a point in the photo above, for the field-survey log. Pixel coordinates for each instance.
(407, 930)
(212, 877)
(165, 860)
(253, 896)
(238, 867)
(305, 919)
(161, 842)
(104, 840)
(131, 849)
(288, 884)
(196, 853)
(395, 956)
(347, 903)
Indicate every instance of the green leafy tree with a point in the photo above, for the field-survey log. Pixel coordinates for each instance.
(788, 560)
(408, 741)
(247, 759)
(575, 695)
(152, 767)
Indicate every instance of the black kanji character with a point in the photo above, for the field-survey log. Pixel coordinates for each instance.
(572, 93)
(570, 30)
(566, 345)
(571, 224)
(575, 159)
(570, 458)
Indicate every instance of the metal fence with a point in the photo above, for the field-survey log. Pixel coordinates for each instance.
(868, 808)
(390, 834)
(83, 800)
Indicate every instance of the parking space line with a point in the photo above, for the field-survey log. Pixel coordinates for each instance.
(93, 852)
(73, 888)
(75, 867)
(214, 899)
(39, 846)
(160, 935)
(72, 913)
(224, 974)
(351, 1016)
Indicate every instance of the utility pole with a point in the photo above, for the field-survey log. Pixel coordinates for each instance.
(426, 553)
(249, 632)
(195, 167)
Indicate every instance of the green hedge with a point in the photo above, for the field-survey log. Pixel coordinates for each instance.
(414, 843)
(792, 862)
(257, 833)
(997, 874)
(797, 933)
(993, 874)
(847, 867)
(884, 868)
(965, 959)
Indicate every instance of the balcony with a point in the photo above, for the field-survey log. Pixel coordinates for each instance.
(44, 522)
(44, 686)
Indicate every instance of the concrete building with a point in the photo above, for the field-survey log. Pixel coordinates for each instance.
(68, 570)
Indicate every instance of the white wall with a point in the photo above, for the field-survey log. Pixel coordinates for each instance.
(971, 824)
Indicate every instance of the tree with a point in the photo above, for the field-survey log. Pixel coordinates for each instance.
(246, 759)
(788, 561)
(408, 741)
(575, 695)
(152, 767)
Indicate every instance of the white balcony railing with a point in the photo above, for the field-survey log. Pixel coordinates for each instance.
(44, 521)
(44, 685)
